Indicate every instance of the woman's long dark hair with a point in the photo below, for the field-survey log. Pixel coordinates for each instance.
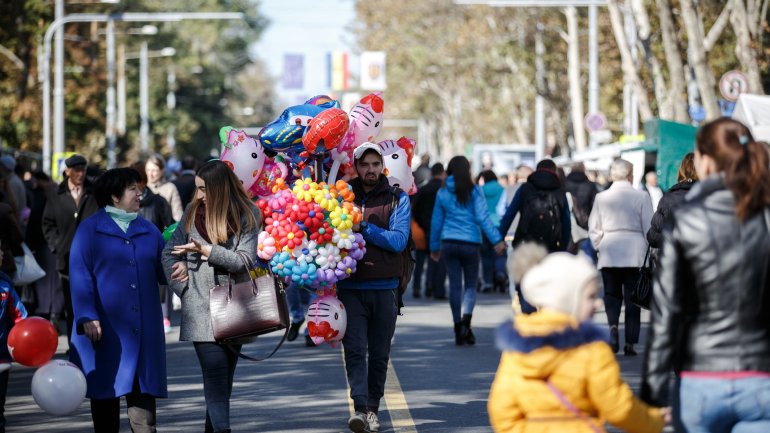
(460, 168)
(743, 160)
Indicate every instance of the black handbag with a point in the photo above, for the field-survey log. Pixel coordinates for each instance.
(248, 309)
(641, 294)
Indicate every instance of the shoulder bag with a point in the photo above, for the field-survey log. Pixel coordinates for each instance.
(248, 309)
(571, 407)
(27, 269)
(641, 294)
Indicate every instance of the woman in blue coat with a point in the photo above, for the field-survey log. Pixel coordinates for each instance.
(459, 216)
(115, 270)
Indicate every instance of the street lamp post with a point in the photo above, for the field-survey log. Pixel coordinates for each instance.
(82, 18)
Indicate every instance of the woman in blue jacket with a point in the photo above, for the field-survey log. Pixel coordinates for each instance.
(115, 269)
(459, 216)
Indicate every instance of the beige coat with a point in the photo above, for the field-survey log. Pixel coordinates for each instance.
(617, 226)
(168, 191)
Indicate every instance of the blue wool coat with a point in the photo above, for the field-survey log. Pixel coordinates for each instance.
(114, 278)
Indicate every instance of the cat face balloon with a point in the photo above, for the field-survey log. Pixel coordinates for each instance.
(397, 159)
(327, 320)
(243, 154)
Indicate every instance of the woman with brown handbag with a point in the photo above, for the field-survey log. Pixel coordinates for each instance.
(220, 222)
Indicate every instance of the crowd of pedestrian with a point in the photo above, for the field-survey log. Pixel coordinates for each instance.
(562, 245)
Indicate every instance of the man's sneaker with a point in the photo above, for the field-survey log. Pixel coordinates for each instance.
(166, 325)
(357, 423)
(374, 422)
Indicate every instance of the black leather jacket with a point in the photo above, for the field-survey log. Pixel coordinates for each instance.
(711, 308)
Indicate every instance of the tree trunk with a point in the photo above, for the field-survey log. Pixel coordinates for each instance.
(674, 62)
(665, 109)
(629, 70)
(744, 50)
(576, 96)
(703, 75)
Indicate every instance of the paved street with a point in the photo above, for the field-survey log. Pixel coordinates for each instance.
(437, 387)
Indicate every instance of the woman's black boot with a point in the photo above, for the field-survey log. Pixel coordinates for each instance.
(466, 323)
(459, 334)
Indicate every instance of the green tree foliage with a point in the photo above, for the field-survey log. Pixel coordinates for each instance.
(215, 77)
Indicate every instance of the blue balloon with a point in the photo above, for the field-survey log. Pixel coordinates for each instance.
(284, 134)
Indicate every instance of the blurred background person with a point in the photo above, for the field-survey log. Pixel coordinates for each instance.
(685, 179)
(711, 299)
(48, 291)
(422, 173)
(583, 193)
(652, 188)
(422, 212)
(65, 208)
(158, 184)
(15, 186)
(493, 273)
(617, 227)
(185, 182)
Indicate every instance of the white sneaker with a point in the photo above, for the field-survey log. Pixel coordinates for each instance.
(374, 422)
(358, 424)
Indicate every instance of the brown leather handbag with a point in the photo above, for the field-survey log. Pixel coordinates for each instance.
(249, 308)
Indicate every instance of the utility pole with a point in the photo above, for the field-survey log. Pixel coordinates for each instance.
(144, 104)
(539, 99)
(110, 120)
(58, 87)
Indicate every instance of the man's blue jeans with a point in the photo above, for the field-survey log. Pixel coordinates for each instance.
(715, 405)
(462, 266)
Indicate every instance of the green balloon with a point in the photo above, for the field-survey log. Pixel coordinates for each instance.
(169, 231)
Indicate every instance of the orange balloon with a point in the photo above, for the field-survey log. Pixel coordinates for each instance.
(33, 341)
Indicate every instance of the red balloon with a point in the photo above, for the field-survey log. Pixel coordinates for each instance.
(328, 127)
(33, 341)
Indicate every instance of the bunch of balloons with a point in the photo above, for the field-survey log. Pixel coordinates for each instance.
(315, 134)
(58, 387)
(308, 238)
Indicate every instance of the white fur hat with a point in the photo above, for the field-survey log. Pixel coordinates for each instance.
(557, 282)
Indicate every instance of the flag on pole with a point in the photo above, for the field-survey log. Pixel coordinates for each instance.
(373, 70)
(293, 71)
(338, 70)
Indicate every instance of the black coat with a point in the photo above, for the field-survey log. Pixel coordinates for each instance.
(671, 199)
(156, 210)
(61, 218)
(422, 204)
(583, 191)
(185, 184)
(711, 298)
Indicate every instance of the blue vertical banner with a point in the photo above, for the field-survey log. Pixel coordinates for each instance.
(293, 71)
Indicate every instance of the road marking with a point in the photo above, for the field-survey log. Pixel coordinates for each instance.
(395, 401)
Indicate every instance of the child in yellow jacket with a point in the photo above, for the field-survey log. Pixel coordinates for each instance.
(557, 372)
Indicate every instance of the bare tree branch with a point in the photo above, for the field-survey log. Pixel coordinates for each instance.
(719, 26)
(12, 57)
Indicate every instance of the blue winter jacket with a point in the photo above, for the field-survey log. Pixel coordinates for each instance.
(11, 311)
(453, 221)
(114, 279)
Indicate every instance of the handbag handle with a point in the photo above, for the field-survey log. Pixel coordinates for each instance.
(646, 257)
(249, 267)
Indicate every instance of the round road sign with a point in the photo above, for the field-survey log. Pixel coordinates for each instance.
(732, 84)
(595, 122)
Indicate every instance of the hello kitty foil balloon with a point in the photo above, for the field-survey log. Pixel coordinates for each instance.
(397, 158)
(327, 320)
(243, 154)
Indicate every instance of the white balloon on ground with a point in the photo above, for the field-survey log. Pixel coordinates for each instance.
(59, 387)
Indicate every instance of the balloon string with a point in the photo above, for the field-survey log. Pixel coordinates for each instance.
(333, 172)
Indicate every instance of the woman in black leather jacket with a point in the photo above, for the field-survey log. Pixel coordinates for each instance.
(685, 178)
(711, 308)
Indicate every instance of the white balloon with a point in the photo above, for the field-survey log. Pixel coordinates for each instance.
(59, 387)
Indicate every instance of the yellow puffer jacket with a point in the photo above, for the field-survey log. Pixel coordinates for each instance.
(578, 361)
